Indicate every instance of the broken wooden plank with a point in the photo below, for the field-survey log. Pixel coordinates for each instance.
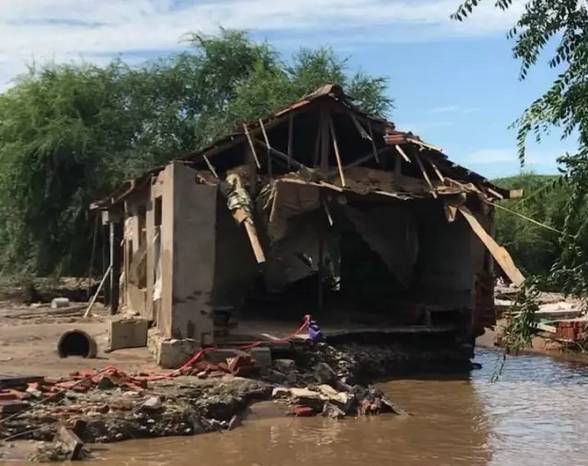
(254, 240)
(337, 154)
(499, 253)
(251, 146)
(495, 193)
(425, 174)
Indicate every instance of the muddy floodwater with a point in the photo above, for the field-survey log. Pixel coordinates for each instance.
(536, 414)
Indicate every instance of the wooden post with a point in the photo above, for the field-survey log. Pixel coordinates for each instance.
(325, 119)
(337, 154)
(437, 171)
(425, 175)
(269, 148)
(251, 146)
(373, 143)
(115, 237)
(290, 139)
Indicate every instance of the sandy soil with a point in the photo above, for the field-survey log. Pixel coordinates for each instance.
(29, 336)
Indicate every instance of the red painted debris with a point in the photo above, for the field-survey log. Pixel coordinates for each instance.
(303, 411)
(572, 330)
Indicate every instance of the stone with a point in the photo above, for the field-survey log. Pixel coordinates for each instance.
(262, 356)
(333, 411)
(324, 374)
(128, 333)
(153, 403)
(57, 303)
(285, 365)
(280, 392)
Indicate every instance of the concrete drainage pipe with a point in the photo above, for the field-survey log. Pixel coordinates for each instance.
(76, 343)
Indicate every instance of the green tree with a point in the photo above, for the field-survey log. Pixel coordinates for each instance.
(70, 133)
(562, 24)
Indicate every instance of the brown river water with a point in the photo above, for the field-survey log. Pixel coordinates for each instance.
(535, 414)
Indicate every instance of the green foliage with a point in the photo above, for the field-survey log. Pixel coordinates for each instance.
(70, 133)
(534, 249)
(564, 24)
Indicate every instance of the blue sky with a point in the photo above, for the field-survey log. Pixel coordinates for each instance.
(456, 85)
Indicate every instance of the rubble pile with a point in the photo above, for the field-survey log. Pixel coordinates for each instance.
(110, 405)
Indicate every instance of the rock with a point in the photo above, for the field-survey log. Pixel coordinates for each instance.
(324, 374)
(59, 302)
(262, 356)
(153, 403)
(333, 411)
(131, 394)
(280, 392)
(285, 365)
(105, 383)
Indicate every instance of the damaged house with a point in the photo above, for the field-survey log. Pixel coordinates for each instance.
(316, 209)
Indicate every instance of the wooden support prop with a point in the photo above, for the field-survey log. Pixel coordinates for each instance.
(337, 154)
(402, 153)
(273, 151)
(210, 166)
(269, 147)
(360, 129)
(254, 240)
(251, 146)
(325, 119)
(437, 171)
(495, 193)
(500, 254)
(374, 149)
(290, 138)
(93, 300)
(425, 174)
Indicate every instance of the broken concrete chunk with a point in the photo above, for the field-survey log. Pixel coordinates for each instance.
(333, 411)
(333, 395)
(262, 356)
(153, 403)
(285, 365)
(128, 333)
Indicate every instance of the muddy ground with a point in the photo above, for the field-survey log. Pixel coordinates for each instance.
(106, 405)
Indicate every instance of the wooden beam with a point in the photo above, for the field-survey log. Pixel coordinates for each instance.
(273, 151)
(363, 159)
(325, 152)
(254, 240)
(360, 129)
(402, 153)
(436, 170)
(500, 254)
(337, 154)
(425, 174)
(290, 138)
(210, 166)
(267, 143)
(374, 149)
(251, 146)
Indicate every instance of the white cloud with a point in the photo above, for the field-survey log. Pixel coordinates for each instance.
(69, 29)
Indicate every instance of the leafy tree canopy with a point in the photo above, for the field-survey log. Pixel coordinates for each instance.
(562, 24)
(70, 133)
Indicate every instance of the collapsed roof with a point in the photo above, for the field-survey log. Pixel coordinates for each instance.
(326, 140)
